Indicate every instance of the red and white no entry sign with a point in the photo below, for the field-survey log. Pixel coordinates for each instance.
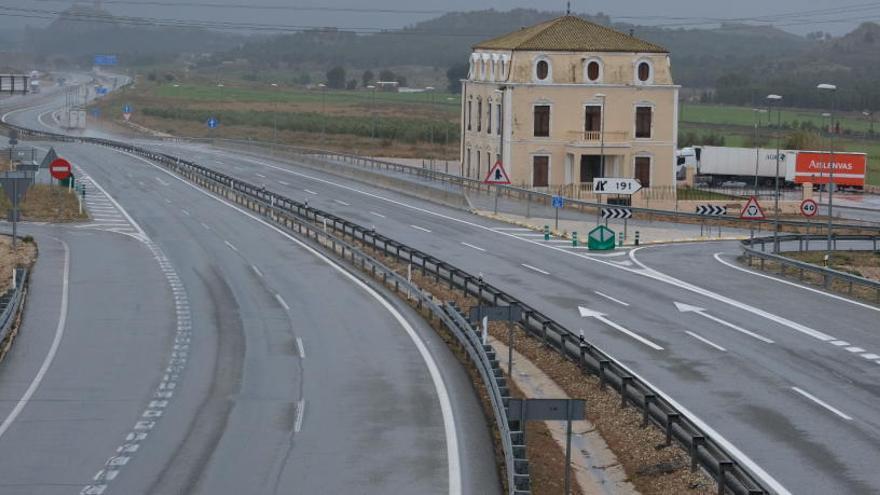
(809, 208)
(60, 168)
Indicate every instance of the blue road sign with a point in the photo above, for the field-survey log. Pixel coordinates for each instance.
(105, 60)
(96, 112)
(126, 108)
(213, 123)
(558, 201)
(101, 90)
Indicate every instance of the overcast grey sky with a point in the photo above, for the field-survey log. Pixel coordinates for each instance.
(798, 16)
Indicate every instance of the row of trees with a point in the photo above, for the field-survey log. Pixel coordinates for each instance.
(337, 78)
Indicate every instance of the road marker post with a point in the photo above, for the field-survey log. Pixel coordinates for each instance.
(637, 238)
(574, 239)
(546, 232)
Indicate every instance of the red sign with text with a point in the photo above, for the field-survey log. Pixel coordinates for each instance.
(815, 167)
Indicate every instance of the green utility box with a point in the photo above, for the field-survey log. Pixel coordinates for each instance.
(601, 239)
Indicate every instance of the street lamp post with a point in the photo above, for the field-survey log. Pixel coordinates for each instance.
(430, 91)
(826, 125)
(601, 97)
(756, 112)
(275, 122)
(833, 89)
(372, 87)
(323, 109)
(770, 100)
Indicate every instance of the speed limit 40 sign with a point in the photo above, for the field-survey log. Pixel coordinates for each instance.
(809, 208)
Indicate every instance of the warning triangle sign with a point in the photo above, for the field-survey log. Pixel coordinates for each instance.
(752, 210)
(497, 175)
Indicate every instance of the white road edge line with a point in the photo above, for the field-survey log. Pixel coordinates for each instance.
(717, 257)
(420, 228)
(300, 412)
(530, 267)
(473, 247)
(606, 296)
(53, 349)
(300, 348)
(282, 302)
(452, 450)
(822, 403)
(705, 340)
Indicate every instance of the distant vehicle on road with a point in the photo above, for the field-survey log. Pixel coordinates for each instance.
(34, 86)
(727, 167)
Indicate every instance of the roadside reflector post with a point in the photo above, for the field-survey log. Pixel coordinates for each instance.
(620, 238)
(637, 238)
(546, 232)
(574, 239)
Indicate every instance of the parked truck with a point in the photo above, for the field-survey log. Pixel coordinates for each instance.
(721, 166)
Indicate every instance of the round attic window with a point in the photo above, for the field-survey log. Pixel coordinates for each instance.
(543, 69)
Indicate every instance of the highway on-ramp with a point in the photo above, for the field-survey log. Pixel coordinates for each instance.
(175, 344)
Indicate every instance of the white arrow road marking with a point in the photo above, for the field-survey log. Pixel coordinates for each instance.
(687, 308)
(589, 313)
(420, 228)
(822, 403)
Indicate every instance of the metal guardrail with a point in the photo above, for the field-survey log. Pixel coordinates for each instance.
(828, 275)
(730, 474)
(530, 196)
(11, 301)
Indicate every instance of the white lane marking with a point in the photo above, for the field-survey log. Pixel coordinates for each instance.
(606, 296)
(205, 226)
(513, 229)
(300, 412)
(53, 348)
(260, 175)
(839, 343)
(283, 183)
(300, 348)
(282, 302)
(453, 458)
(870, 356)
(705, 340)
(855, 349)
(420, 228)
(530, 267)
(688, 308)
(231, 246)
(656, 275)
(167, 200)
(529, 235)
(257, 271)
(160, 181)
(343, 203)
(717, 257)
(218, 162)
(377, 214)
(589, 313)
(184, 212)
(473, 247)
(822, 403)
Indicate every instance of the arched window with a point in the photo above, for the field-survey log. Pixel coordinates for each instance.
(542, 70)
(644, 72)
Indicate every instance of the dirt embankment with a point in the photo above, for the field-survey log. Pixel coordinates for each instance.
(24, 255)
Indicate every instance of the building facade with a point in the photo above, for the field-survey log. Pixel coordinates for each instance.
(565, 101)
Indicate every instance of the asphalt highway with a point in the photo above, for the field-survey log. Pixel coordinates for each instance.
(179, 345)
(785, 374)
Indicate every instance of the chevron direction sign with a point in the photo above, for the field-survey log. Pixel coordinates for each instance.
(711, 210)
(611, 213)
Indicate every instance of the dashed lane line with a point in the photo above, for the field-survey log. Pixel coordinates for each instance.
(822, 403)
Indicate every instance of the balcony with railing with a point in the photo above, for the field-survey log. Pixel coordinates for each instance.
(596, 137)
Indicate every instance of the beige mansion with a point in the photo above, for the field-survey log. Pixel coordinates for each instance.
(550, 100)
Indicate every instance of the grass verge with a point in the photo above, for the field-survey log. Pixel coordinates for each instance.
(47, 203)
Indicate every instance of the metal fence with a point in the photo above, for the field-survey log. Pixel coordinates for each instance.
(788, 265)
(730, 474)
(529, 196)
(10, 302)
